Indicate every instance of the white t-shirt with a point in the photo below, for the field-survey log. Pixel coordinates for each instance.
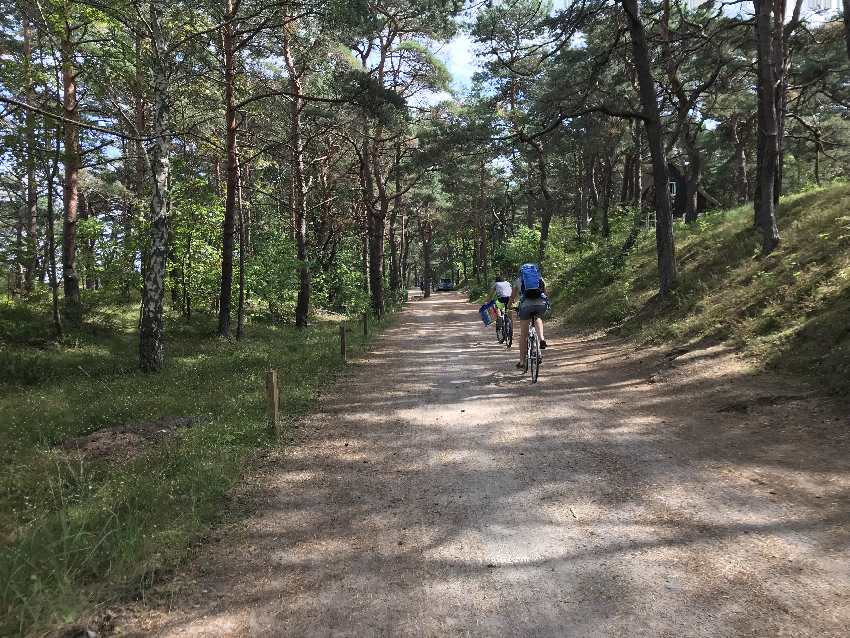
(503, 289)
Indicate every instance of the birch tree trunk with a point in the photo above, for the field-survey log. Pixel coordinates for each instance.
(52, 171)
(151, 337)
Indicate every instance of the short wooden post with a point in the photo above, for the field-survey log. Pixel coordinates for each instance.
(365, 324)
(272, 403)
(342, 341)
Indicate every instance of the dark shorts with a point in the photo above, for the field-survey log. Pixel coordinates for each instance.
(530, 307)
(504, 300)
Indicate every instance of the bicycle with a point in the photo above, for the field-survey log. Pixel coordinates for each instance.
(533, 358)
(504, 327)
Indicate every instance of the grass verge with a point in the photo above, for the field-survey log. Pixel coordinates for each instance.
(76, 534)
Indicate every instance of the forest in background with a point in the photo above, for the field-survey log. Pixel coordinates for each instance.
(256, 159)
(199, 190)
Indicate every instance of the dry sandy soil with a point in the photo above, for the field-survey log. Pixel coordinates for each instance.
(438, 493)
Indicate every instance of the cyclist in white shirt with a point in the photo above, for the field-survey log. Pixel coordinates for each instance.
(502, 291)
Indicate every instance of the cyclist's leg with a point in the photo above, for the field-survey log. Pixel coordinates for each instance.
(523, 339)
(538, 324)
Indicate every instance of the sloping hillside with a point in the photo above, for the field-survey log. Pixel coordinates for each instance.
(790, 310)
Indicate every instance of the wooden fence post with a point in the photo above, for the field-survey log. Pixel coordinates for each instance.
(272, 403)
(365, 324)
(342, 341)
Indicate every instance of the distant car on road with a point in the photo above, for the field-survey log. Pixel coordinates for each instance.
(446, 284)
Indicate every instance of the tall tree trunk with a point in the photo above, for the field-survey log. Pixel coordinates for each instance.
(364, 249)
(637, 166)
(741, 186)
(376, 209)
(818, 149)
(186, 272)
(768, 131)
(376, 216)
(664, 243)
(589, 193)
(395, 257)
(139, 174)
(607, 185)
(846, 5)
(778, 63)
(405, 252)
(694, 181)
(31, 216)
(52, 172)
(299, 194)
(71, 156)
(546, 196)
(243, 244)
(228, 227)
(628, 175)
(151, 335)
(18, 274)
(425, 234)
(87, 248)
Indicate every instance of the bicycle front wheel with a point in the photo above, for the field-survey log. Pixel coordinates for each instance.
(534, 359)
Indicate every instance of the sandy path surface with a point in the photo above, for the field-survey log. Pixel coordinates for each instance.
(439, 493)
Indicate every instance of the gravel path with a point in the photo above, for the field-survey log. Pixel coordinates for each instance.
(439, 493)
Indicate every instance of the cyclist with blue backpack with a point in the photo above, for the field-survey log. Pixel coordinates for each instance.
(533, 302)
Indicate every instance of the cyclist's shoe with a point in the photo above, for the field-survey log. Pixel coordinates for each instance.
(520, 365)
(543, 344)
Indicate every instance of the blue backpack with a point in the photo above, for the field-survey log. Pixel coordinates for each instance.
(531, 281)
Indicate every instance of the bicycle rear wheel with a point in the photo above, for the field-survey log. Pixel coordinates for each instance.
(509, 332)
(534, 358)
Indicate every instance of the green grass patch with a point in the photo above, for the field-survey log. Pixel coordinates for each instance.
(74, 534)
(789, 310)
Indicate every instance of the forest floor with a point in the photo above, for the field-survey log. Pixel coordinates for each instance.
(437, 492)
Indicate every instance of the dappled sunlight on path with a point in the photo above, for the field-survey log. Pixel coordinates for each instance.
(438, 492)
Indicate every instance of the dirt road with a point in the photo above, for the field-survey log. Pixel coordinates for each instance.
(439, 493)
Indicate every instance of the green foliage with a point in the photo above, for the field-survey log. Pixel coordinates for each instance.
(436, 75)
(344, 289)
(273, 273)
(520, 248)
